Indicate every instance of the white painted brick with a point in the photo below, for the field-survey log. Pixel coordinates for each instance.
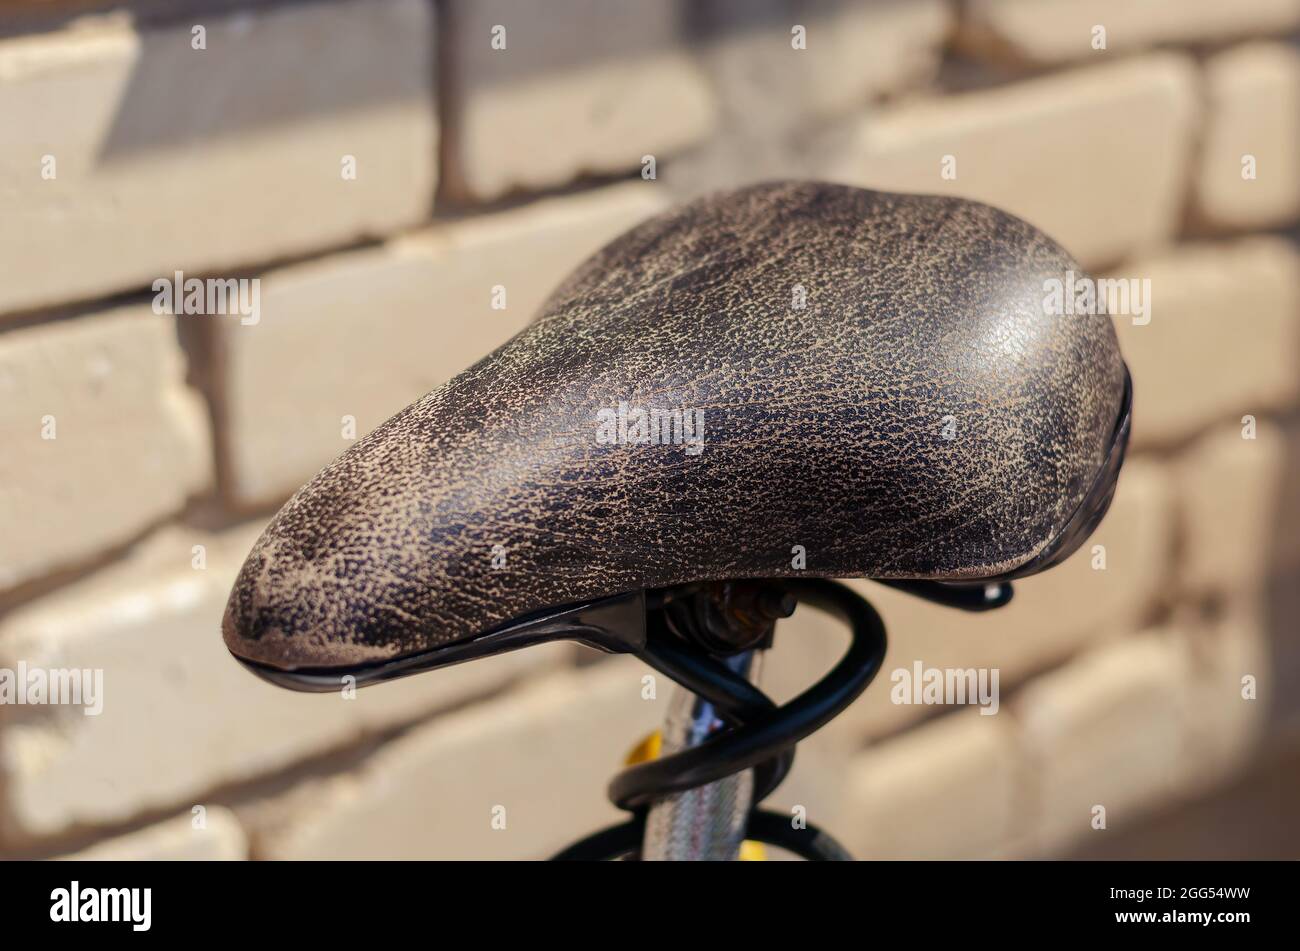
(220, 838)
(860, 50)
(365, 333)
(180, 716)
(580, 87)
(780, 108)
(1222, 339)
(1049, 31)
(545, 754)
(1035, 148)
(1226, 725)
(1253, 94)
(1232, 491)
(855, 51)
(1108, 729)
(947, 789)
(173, 158)
(131, 441)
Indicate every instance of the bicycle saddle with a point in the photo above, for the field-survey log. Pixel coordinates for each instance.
(787, 379)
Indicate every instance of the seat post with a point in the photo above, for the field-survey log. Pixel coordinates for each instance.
(728, 745)
(706, 823)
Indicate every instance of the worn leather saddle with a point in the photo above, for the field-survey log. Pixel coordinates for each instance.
(790, 379)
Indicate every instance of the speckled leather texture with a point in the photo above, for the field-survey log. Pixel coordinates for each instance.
(880, 388)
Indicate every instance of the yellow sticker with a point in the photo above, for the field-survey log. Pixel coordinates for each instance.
(648, 749)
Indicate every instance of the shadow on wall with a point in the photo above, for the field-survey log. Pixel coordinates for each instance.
(1253, 818)
(226, 89)
(768, 101)
(226, 93)
(1282, 590)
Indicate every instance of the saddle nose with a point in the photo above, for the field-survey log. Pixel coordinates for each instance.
(338, 578)
(294, 607)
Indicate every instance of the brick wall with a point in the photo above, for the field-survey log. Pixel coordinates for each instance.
(381, 168)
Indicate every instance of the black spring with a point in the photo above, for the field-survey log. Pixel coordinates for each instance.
(760, 735)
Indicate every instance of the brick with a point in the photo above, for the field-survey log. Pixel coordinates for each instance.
(180, 716)
(1019, 147)
(1053, 615)
(855, 52)
(777, 104)
(173, 158)
(580, 88)
(1046, 32)
(545, 754)
(944, 790)
(1253, 92)
(130, 444)
(1277, 612)
(1222, 339)
(858, 51)
(176, 840)
(363, 334)
(1108, 729)
(1226, 728)
(1232, 491)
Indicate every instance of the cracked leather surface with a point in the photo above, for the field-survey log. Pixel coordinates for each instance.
(920, 416)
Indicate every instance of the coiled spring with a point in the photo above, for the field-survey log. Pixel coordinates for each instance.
(760, 735)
